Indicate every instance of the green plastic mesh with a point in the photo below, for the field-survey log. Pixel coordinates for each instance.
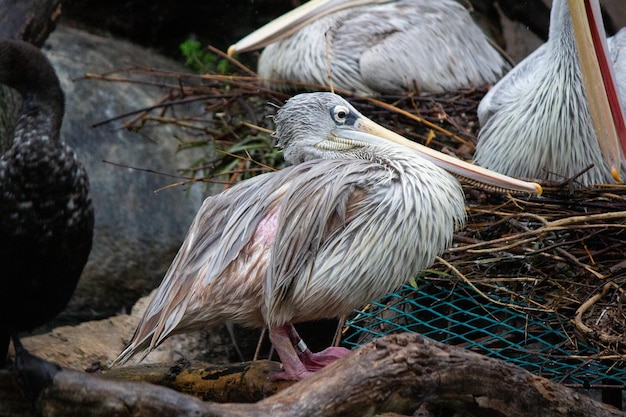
(457, 315)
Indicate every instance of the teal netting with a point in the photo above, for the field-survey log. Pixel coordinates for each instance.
(455, 314)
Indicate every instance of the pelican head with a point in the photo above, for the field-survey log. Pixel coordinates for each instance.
(322, 125)
(325, 124)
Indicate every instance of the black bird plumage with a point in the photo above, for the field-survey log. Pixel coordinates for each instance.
(46, 214)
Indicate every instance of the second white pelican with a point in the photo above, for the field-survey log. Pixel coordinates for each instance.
(558, 112)
(376, 46)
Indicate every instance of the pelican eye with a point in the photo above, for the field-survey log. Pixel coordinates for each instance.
(340, 114)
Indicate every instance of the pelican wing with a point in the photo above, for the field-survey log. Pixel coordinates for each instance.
(311, 200)
(435, 46)
(221, 229)
(388, 47)
(315, 210)
(363, 209)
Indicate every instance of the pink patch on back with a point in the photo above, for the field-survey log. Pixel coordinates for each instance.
(265, 232)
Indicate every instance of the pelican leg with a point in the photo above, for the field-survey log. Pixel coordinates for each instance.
(314, 361)
(293, 368)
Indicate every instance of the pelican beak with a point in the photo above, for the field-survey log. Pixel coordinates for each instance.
(292, 21)
(474, 173)
(599, 81)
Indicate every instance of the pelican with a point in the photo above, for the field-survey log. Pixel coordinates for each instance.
(558, 112)
(357, 214)
(46, 214)
(376, 46)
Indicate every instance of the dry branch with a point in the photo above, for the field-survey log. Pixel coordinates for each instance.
(396, 374)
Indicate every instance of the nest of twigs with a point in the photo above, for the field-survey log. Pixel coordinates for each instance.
(566, 246)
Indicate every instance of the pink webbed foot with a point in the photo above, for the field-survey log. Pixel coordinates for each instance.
(312, 362)
(297, 359)
(316, 361)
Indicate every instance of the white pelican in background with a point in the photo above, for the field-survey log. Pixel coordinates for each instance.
(558, 111)
(376, 46)
(357, 214)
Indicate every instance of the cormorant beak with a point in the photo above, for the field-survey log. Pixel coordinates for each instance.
(599, 80)
(292, 21)
(454, 165)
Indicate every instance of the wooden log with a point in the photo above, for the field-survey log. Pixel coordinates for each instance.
(245, 382)
(393, 374)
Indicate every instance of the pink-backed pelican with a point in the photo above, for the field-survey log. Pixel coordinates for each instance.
(357, 214)
(558, 111)
(376, 46)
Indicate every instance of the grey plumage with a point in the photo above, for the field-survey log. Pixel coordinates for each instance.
(374, 47)
(536, 122)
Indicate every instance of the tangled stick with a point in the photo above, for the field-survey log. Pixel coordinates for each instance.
(586, 330)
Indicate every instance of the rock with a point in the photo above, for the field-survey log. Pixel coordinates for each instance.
(137, 232)
(100, 341)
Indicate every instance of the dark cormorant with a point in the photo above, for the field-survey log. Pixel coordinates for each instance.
(46, 214)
